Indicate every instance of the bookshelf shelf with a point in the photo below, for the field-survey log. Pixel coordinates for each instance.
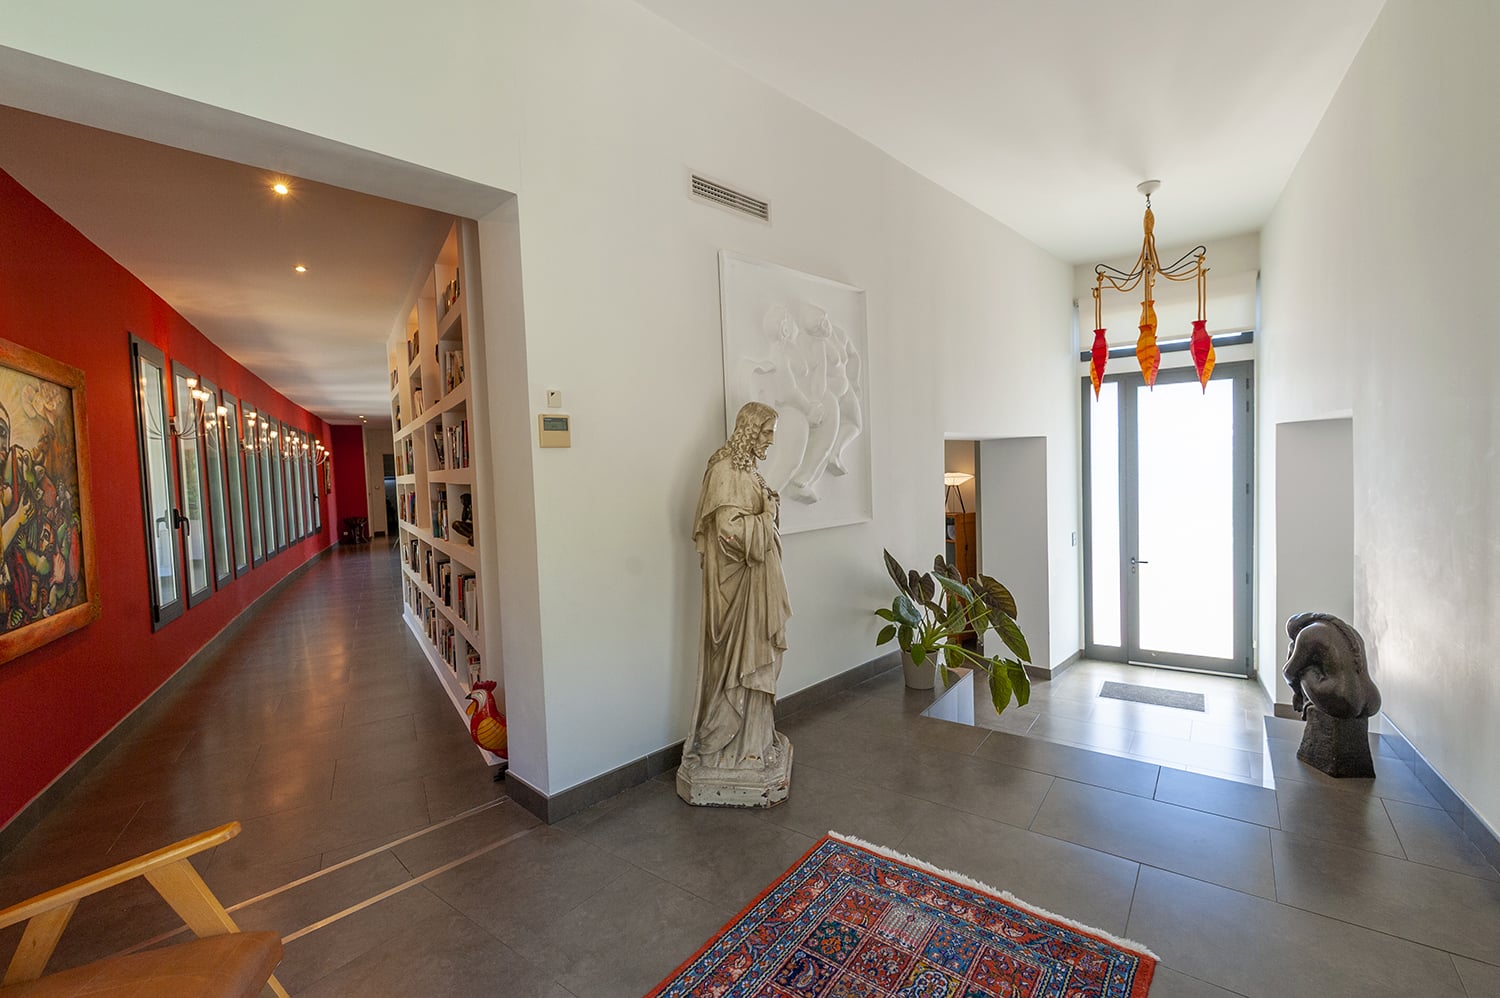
(437, 464)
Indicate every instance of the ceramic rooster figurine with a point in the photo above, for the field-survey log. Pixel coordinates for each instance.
(486, 723)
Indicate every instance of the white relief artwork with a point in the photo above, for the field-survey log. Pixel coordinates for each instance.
(797, 343)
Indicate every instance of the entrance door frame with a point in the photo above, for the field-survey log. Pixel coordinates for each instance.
(1241, 664)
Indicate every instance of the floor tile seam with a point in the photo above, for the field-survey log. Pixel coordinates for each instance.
(1220, 814)
(1180, 807)
(1038, 812)
(1385, 855)
(1156, 866)
(1396, 832)
(1059, 776)
(123, 826)
(1213, 984)
(390, 892)
(368, 854)
(1435, 947)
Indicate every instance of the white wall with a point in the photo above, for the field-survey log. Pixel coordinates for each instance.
(1014, 510)
(1314, 530)
(593, 112)
(638, 293)
(1378, 300)
(379, 441)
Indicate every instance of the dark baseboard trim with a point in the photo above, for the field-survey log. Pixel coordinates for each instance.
(43, 803)
(559, 806)
(590, 792)
(1056, 670)
(1473, 826)
(1045, 675)
(832, 686)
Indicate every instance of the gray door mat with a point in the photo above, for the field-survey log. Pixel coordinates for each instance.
(1150, 694)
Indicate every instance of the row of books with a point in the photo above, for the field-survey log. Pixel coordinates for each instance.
(458, 591)
(406, 506)
(453, 369)
(451, 443)
(441, 632)
(466, 599)
(440, 516)
(405, 464)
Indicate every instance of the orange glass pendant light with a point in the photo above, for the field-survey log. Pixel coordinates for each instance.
(1143, 275)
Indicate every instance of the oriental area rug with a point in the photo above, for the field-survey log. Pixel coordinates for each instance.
(851, 919)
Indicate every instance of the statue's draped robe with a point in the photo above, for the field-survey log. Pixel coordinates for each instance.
(745, 609)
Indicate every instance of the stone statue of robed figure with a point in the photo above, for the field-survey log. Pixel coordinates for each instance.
(734, 756)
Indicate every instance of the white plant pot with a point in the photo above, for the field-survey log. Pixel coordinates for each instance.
(920, 677)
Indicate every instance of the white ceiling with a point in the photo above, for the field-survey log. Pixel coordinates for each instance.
(1043, 113)
(1047, 113)
(211, 238)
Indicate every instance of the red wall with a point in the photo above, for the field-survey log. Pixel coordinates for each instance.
(62, 296)
(349, 474)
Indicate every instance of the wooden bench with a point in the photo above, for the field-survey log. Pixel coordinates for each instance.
(222, 962)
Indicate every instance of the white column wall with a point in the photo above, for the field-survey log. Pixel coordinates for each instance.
(622, 308)
(1377, 300)
(593, 112)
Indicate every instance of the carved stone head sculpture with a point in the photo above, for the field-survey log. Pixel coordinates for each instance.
(1326, 667)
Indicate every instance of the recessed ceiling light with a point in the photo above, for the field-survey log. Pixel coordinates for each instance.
(300, 269)
(280, 187)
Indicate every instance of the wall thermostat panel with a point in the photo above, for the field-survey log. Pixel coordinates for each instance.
(554, 430)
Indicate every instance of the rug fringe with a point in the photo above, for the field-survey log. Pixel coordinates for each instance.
(1006, 896)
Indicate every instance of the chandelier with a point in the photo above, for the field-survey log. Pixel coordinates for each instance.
(1189, 267)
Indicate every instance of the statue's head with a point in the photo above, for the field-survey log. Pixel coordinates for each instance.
(779, 325)
(814, 320)
(754, 432)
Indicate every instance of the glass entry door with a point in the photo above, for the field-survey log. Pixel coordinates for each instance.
(1167, 534)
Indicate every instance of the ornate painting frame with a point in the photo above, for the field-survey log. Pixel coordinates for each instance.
(49, 574)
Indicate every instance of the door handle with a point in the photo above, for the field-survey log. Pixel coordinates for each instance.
(1134, 562)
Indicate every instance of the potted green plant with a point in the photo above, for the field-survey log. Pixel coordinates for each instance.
(934, 612)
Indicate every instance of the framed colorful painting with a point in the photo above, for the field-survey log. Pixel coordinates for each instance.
(49, 582)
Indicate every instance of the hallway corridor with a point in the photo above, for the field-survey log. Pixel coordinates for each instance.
(376, 843)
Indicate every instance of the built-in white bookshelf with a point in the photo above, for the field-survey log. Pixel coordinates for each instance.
(431, 416)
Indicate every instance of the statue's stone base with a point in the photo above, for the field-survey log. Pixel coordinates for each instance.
(709, 787)
(1338, 746)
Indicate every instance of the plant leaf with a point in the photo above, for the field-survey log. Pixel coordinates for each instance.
(1000, 689)
(942, 568)
(956, 588)
(1019, 681)
(918, 654)
(903, 637)
(1010, 633)
(897, 573)
(886, 633)
(884, 613)
(906, 611)
(997, 595)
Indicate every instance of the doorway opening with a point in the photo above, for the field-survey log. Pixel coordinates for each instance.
(1168, 519)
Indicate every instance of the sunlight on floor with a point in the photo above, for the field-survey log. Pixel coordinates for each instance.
(1227, 739)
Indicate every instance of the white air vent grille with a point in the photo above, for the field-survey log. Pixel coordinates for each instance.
(729, 198)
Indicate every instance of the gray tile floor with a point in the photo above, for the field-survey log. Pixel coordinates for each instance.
(377, 845)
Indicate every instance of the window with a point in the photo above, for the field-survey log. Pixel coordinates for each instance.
(211, 425)
(231, 436)
(193, 519)
(251, 439)
(163, 558)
